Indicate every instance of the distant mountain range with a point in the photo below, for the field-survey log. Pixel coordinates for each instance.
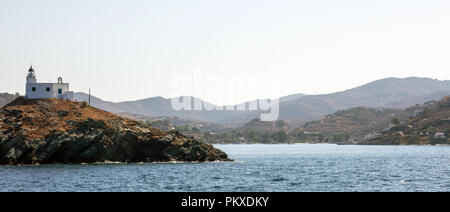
(385, 93)
(6, 98)
(161, 107)
(297, 109)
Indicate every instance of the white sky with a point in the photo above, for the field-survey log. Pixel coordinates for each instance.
(132, 49)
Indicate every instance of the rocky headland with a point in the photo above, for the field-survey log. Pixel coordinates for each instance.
(49, 131)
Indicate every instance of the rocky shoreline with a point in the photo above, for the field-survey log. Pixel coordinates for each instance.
(51, 131)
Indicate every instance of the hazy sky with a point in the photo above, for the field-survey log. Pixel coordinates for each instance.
(132, 49)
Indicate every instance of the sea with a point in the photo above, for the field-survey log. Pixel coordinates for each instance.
(257, 168)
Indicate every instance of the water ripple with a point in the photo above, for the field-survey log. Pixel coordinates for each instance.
(259, 168)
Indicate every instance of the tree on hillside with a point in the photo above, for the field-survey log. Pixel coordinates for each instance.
(301, 135)
(266, 137)
(280, 136)
(280, 124)
(347, 136)
(321, 137)
(338, 138)
(206, 134)
(395, 121)
(195, 130)
(251, 135)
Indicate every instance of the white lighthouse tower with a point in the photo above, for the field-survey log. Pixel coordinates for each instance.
(31, 77)
(35, 90)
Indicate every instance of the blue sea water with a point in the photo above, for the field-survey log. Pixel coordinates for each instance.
(298, 167)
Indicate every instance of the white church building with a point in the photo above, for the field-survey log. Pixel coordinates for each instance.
(35, 90)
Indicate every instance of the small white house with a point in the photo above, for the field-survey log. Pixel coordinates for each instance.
(417, 113)
(35, 90)
(440, 135)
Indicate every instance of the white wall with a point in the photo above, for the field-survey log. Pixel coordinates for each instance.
(41, 91)
(31, 80)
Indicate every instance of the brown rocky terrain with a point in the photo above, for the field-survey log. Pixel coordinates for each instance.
(356, 122)
(431, 127)
(46, 131)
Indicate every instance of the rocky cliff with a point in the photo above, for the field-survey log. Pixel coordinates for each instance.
(47, 131)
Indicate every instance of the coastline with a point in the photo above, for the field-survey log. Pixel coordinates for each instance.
(117, 163)
(332, 144)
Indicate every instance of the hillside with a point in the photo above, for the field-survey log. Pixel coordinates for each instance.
(6, 98)
(385, 93)
(422, 99)
(264, 126)
(356, 122)
(46, 131)
(173, 122)
(181, 124)
(432, 126)
(298, 109)
(99, 103)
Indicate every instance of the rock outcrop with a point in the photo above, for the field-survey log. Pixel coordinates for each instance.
(47, 131)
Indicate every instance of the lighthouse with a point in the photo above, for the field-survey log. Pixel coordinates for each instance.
(35, 90)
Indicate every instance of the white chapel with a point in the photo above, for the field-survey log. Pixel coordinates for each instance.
(35, 90)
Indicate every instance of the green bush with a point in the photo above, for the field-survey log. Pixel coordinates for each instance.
(84, 104)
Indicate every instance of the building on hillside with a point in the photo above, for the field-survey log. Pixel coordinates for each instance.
(35, 90)
(440, 135)
(388, 128)
(371, 136)
(417, 113)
